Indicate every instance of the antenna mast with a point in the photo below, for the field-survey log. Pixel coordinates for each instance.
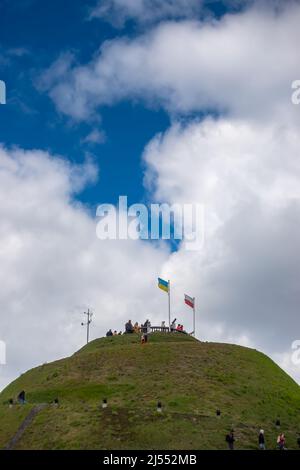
(89, 315)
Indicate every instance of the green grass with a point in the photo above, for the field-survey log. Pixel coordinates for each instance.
(190, 378)
(10, 420)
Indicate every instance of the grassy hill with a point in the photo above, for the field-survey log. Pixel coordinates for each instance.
(190, 378)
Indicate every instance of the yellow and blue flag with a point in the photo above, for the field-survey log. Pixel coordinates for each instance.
(164, 285)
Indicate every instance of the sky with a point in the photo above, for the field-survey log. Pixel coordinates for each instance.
(174, 101)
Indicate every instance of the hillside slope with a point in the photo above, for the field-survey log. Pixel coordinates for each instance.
(190, 378)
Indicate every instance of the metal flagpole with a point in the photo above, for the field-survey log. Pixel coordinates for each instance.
(194, 319)
(169, 295)
(88, 327)
(89, 321)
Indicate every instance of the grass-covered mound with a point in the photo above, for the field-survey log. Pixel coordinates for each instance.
(190, 378)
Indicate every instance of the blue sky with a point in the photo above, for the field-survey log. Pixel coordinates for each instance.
(30, 119)
(33, 34)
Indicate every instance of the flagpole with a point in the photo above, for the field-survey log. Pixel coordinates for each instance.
(194, 319)
(169, 296)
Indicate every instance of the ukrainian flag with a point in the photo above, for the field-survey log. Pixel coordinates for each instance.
(164, 285)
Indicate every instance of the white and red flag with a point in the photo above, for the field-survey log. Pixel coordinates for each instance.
(190, 301)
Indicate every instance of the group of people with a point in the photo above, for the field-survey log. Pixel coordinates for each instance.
(113, 333)
(21, 399)
(178, 328)
(230, 438)
(136, 328)
(145, 329)
(281, 441)
(131, 328)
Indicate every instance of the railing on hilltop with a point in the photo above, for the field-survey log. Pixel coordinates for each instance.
(161, 329)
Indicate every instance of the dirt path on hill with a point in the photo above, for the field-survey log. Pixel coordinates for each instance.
(24, 425)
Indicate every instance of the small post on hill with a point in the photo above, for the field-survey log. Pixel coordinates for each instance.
(89, 321)
(194, 317)
(169, 303)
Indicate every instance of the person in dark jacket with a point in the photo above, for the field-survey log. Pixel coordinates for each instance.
(22, 398)
(230, 440)
(129, 327)
(173, 325)
(261, 440)
(109, 333)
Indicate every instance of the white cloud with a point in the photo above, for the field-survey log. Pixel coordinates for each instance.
(18, 51)
(242, 65)
(144, 11)
(247, 176)
(243, 167)
(53, 266)
(224, 162)
(96, 136)
(8, 55)
(284, 360)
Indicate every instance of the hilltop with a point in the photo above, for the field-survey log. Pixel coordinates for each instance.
(190, 378)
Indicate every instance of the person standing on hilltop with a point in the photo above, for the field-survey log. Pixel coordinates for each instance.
(173, 325)
(129, 327)
(261, 440)
(147, 327)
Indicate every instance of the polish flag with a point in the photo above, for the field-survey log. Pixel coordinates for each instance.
(189, 300)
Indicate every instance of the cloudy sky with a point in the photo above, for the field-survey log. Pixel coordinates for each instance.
(177, 101)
